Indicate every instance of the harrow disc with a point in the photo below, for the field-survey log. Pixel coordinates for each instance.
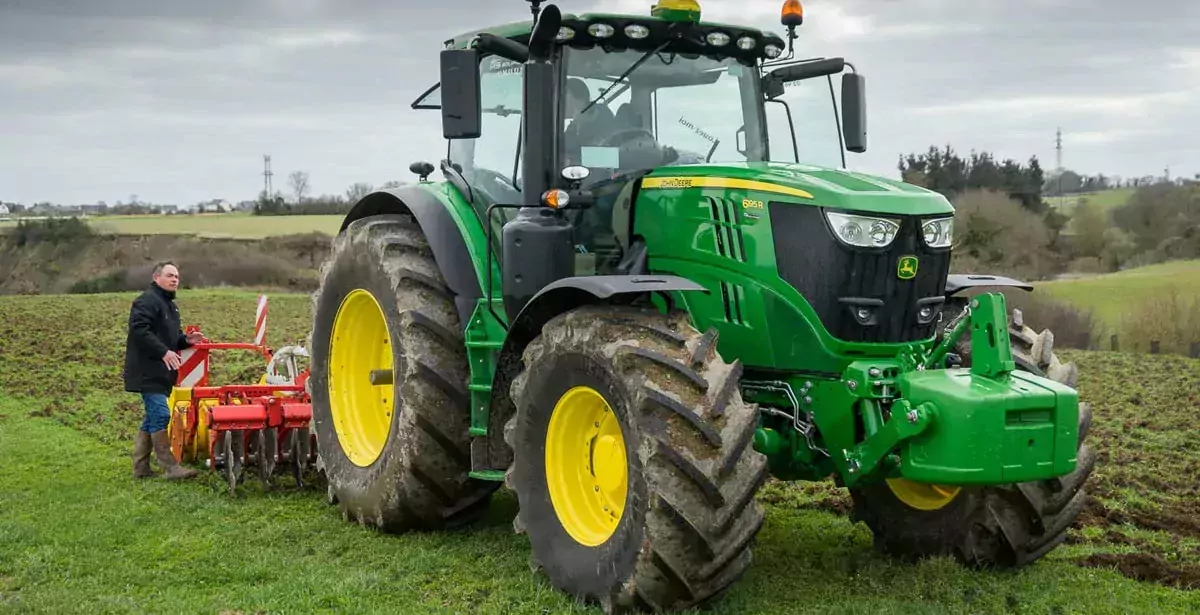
(233, 450)
(267, 445)
(300, 453)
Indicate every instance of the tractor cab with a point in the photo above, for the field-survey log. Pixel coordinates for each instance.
(590, 104)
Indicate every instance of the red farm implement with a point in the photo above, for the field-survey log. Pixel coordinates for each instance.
(234, 426)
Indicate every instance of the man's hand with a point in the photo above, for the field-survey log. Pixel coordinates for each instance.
(195, 337)
(172, 360)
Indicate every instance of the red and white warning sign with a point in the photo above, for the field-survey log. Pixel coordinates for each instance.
(260, 321)
(193, 369)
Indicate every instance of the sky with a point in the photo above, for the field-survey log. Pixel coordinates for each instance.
(177, 101)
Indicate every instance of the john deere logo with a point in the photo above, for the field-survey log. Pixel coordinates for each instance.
(906, 267)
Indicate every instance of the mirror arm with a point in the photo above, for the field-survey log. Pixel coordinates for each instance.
(503, 47)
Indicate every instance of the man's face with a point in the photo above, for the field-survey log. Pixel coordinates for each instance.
(168, 279)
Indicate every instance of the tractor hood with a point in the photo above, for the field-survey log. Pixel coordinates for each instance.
(806, 184)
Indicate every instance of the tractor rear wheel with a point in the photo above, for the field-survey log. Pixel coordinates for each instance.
(1007, 526)
(632, 460)
(389, 372)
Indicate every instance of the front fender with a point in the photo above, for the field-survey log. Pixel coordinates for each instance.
(558, 297)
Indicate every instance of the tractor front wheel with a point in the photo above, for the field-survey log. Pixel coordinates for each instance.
(1008, 526)
(632, 460)
(389, 393)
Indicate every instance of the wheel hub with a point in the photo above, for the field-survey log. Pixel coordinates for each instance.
(586, 466)
(361, 409)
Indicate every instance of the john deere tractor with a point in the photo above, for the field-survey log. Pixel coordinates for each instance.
(646, 285)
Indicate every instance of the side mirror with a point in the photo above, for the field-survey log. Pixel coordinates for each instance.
(854, 112)
(462, 106)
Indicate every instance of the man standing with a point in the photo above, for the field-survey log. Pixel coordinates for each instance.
(152, 366)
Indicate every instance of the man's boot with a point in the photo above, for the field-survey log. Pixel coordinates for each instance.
(162, 452)
(141, 456)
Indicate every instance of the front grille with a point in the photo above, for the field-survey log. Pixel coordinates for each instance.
(837, 279)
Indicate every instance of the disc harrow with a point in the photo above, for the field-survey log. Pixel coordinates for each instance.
(229, 428)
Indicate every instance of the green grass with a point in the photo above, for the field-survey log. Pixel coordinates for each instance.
(1114, 295)
(240, 226)
(1106, 199)
(80, 536)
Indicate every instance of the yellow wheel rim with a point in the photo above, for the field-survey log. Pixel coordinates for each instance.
(922, 496)
(362, 412)
(586, 468)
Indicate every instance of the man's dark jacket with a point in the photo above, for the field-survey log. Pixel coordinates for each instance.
(153, 330)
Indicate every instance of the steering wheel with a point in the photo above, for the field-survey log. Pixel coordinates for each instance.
(622, 136)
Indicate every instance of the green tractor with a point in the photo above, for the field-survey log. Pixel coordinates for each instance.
(632, 307)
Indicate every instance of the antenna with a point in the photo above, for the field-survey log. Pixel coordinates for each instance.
(535, 6)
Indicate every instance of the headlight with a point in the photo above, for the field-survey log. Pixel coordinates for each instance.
(863, 231)
(938, 233)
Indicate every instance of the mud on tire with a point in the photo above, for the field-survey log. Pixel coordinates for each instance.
(690, 515)
(420, 478)
(1008, 526)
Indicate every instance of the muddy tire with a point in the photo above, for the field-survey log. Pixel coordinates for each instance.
(688, 513)
(1008, 526)
(395, 457)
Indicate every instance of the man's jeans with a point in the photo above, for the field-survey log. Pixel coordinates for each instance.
(157, 413)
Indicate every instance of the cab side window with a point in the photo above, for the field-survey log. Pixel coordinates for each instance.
(489, 161)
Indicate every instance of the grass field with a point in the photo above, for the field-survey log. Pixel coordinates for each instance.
(1106, 199)
(80, 536)
(1112, 297)
(242, 226)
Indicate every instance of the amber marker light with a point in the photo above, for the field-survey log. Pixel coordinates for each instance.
(555, 199)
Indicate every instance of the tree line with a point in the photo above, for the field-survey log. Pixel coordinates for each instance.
(303, 204)
(1005, 225)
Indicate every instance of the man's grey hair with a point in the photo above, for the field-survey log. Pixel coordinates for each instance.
(158, 267)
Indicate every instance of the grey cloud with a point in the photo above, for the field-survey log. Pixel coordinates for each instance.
(177, 101)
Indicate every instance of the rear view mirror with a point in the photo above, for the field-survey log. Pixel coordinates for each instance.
(854, 112)
(462, 107)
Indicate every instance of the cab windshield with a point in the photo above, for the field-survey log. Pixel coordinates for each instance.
(670, 110)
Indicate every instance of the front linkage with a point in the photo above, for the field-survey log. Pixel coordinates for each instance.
(918, 416)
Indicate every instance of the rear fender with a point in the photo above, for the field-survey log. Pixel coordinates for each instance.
(556, 298)
(444, 232)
